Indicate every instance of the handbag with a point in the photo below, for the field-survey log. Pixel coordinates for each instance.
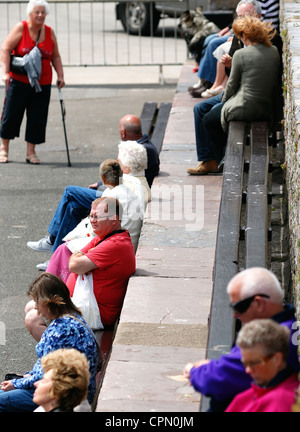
(10, 376)
(17, 65)
(84, 298)
(17, 62)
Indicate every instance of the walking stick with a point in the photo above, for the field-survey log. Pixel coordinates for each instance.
(63, 113)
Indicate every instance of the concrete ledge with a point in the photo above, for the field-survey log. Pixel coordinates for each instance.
(163, 324)
(147, 380)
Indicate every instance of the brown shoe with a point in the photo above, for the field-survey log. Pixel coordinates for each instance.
(204, 168)
(196, 93)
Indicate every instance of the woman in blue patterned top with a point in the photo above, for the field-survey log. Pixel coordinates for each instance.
(67, 329)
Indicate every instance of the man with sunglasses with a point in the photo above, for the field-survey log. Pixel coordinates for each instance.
(254, 293)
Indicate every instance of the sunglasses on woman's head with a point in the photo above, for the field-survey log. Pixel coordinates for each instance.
(242, 305)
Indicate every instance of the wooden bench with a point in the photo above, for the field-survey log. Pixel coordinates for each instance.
(154, 120)
(243, 228)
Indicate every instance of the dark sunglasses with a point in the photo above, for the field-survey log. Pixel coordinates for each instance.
(242, 305)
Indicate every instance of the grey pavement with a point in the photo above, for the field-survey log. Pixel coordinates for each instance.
(164, 319)
(95, 100)
(163, 324)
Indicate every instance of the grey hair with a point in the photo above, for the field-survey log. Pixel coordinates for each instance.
(255, 3)
(270, 336)
(258, 280)
(34, 3)
(133, 155)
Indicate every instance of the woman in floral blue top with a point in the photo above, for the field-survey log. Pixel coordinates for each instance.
(67, 329)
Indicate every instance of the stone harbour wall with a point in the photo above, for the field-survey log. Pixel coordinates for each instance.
(290, 33)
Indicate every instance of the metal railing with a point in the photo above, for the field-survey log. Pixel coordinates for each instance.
(89, 34)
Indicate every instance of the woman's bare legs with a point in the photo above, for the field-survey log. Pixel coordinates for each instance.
(31, 157)
(219, 84)
(34, 322)
(221, 77)
(4, 150)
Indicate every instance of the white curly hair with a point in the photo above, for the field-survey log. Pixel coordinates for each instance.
(133, 155)
(34, 3)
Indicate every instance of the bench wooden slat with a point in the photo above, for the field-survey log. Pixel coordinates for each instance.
(256, 234)
(160, 125)
(222, 326)
(147, 117)
(227, 245)
(221, 322)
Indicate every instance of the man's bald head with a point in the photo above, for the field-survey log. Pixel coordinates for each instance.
(130, 128)
(256, 280)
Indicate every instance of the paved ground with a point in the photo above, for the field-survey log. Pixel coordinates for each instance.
(163, 324)
(30, 194)
(164, 319)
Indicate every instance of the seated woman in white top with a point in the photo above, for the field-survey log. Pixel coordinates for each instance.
(133, 160)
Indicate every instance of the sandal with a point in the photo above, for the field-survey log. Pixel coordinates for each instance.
(3, 156)
(33, 159)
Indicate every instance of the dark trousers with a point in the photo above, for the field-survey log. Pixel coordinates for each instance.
(22, 97)
(203, 145)
(217, 135)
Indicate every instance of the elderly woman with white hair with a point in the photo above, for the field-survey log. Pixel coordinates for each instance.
(133, 160)
(21, 95)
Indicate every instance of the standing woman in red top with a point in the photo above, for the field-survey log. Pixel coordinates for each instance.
(20, 95)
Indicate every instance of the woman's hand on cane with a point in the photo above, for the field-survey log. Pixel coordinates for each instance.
(60, 83)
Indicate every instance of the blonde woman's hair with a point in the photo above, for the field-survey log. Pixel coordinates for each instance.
(70, 376)
(254, 29)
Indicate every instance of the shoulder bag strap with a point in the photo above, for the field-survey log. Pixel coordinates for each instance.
(110, 234)
(37, 41)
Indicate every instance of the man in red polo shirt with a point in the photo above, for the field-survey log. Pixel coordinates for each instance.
(110, 256)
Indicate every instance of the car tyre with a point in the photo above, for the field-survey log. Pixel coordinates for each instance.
(139, 18)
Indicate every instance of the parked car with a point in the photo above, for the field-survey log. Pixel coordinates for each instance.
(139, 17)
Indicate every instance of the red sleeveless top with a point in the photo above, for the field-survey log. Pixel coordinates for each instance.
(46, 47)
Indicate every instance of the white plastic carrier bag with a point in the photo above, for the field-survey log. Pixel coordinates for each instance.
(84, 298)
